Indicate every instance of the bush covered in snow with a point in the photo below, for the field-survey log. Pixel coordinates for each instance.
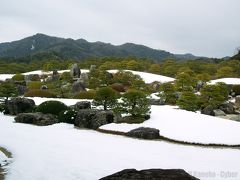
(52, 107)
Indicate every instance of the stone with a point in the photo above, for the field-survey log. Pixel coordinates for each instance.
(82, 105)
(22, 89)
(159, 101)
(78, 87)
(55, 72)
(20, 105)
(84, 79)
(43, 87)
(144, 133)
(92, 67)
(119, 87)
(227, 107)
(156, 86)
(218, 112)
(32, 77)
(75, 71)
(151, 174)
(237, 101)
(199, 85)
(93, 118)
(208, 111)
(37, 118)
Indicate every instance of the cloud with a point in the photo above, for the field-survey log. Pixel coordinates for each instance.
(201, 27)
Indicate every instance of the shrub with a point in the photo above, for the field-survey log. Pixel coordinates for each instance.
(236, 89)
(66, 76)
(67, 116)
(105, 97)
(188, 101)
(39, 93)
(85, 95)
(34, 85)
(52, 107)
(136, 103)
(168, 93)
(18, 77)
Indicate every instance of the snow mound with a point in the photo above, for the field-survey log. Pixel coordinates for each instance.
(186, 126)
(230, 81)
(64, 153)
(148, 77)
(3, 159)
(3, 77)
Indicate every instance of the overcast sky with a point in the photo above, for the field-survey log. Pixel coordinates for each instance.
(202, 27)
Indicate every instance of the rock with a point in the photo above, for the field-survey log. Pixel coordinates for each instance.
(208, 111)
(119, 87)
(43, 87)
(75, 71)
(199, 85)
(55, 72)
(93, 118)
(92, 68)
(227, 107)
(37, 118)
(78, 87)
(218, 112)
(82, 105)
(150, 174)
(159, 101)
(234, 117)
(237, 101)
(32, 77)
(144, 133)
(20, 105)
(84, 79)
(22, 89)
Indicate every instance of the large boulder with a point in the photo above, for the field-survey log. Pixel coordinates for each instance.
(82, 105)
(237, 101)
(159, 101)
(37, 118)
(150, 174)
(218, 112)
(227, 107)
(144, 133)
(208, 111)
(75, 71)
(93, 118)
(20, 105)
(84, 79)
(78, 87)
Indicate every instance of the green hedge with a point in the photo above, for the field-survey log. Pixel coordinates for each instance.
(39, 93)
(52, 107)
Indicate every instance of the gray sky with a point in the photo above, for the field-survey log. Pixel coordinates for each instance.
(202, 27)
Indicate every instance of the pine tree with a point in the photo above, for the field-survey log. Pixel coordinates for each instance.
(188, 101)
(105, 97)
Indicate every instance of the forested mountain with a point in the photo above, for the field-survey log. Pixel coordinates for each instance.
(43, 46)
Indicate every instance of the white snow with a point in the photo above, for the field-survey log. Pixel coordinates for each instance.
(186, 126)
(3, 158)
(148, 77)
(64, 153)
(32, 47)
(3, 77)
(230, 81)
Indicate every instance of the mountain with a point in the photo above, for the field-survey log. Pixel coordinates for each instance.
(41, 45)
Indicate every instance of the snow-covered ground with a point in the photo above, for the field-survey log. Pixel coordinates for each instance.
(64, 153)
(3, 158)
(230, 81)
(186, 126)
(148, 77)
(3, 77)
